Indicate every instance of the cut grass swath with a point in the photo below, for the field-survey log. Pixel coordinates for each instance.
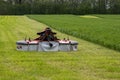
(90, 62)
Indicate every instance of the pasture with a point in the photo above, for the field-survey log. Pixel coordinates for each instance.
(90, 62)
(100, 29)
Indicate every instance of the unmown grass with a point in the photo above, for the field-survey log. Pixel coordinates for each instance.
(103, 30)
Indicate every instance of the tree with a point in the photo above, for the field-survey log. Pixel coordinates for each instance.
(59, 6)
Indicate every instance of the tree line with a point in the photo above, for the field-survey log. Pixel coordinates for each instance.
(59, 7)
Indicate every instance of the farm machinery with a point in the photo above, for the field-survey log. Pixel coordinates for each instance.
(47, 41)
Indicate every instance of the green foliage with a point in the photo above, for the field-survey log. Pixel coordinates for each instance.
(59, 7)
(104, 30)
(90, 62)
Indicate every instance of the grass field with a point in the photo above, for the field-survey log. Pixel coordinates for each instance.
(100, 29)
(90, 62)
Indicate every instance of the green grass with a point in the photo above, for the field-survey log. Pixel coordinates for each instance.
(100, 29)
(90, 62)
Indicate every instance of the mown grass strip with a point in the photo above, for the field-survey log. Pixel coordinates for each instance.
(90, 62)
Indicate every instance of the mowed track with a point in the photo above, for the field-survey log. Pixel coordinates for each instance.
(90, 62)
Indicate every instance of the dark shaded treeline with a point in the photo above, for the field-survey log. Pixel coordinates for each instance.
(59, 6)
